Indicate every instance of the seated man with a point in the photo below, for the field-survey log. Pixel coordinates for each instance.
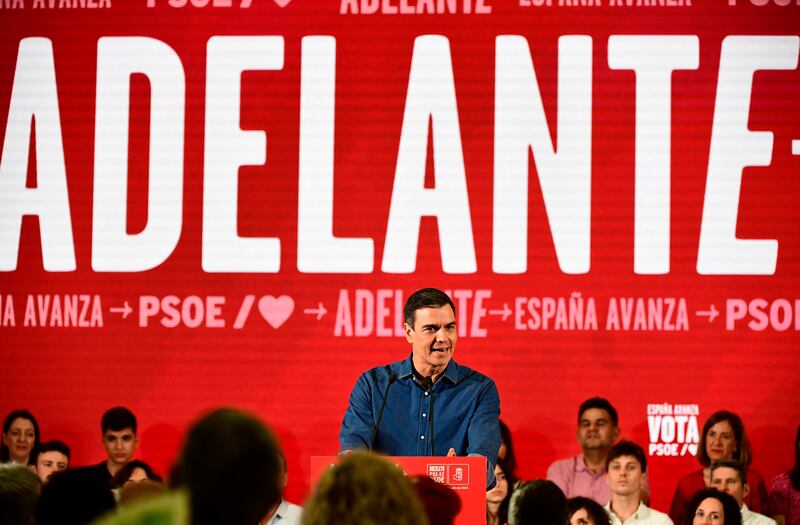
(728, 475)
(120, 441)
(626, 471)
(283, 512)
(584, 474)
(50, 457)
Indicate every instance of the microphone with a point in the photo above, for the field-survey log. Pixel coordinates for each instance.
(392, 379)
(428, 382)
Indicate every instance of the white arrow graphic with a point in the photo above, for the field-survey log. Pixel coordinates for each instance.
(320, 311)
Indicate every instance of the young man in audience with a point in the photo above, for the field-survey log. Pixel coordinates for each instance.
(120, 441)
(728, 475)
(626, 467)
(51, 457)
(584, 474)
(283, 513)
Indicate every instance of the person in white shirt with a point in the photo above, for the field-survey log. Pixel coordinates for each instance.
(283, 513)
(729, 476)
(626, 472)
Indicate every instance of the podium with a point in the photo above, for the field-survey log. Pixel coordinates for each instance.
(465, 475)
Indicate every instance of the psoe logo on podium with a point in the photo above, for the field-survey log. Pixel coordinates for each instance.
(437, 473)
(458, 475)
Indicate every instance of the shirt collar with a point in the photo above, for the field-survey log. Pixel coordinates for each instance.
(282, 509)
(642, 511)
(406, 370)
(580, 464)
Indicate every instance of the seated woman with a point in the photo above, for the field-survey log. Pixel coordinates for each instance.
(784, 496)
(497, 499)
(585, 511)
(20, 437)
(134, 472)
(723, 437)
(712, 507)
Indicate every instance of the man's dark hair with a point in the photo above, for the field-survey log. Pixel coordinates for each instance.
(230, 466)
(602, 404)
(595, 511)
(730, 463)
(118, 418)
(742, 452)
(627, 448)
(19, 489)
(538, 502)
(730, 508)
(53, 445)
(425, 298)
(5, 454)
(73, 497)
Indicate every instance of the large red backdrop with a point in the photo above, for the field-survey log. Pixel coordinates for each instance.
(206, 205)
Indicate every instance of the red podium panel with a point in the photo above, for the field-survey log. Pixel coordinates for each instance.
(465, 475)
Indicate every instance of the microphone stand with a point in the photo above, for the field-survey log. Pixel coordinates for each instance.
(392, 379)
(429, 386)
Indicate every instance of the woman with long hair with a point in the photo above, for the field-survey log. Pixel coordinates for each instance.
(784, 496)
(20, 437)
(723, 437)
(497, 499)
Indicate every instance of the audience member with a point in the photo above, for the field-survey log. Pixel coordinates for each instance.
(440, 502)
(586, 511)
(723, 437)
(537, 502)
(73, 498)
(19, 488)
(506, 452)
(140, 491)
(50, 457)
(729, 476)
(283, 512)
(584, 474)
(709, 506)
(364, 489)
(498, 498)
(133, 472)
(120, 440)
(20, 437)
(229, 465)
(626, 467)
(784, 496)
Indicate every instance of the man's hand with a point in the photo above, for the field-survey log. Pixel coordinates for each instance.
(451, 453)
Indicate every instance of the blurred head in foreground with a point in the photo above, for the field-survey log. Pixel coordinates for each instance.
(230, 466)
(19, 488)
(441, 503)
(538, 502)
(364, 490)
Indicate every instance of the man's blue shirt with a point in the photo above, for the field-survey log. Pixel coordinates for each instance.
(466, 410)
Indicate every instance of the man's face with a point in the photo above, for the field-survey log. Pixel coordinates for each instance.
(728, 480)
(625, 475)
(50, 462)
(433, 338)
(595, 430)
(120, 444)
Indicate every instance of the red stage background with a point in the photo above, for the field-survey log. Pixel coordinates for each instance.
(128, 198)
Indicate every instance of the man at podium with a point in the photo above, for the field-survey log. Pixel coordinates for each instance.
(427, 404)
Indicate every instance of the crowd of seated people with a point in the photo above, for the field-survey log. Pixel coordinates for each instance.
(232, 471)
